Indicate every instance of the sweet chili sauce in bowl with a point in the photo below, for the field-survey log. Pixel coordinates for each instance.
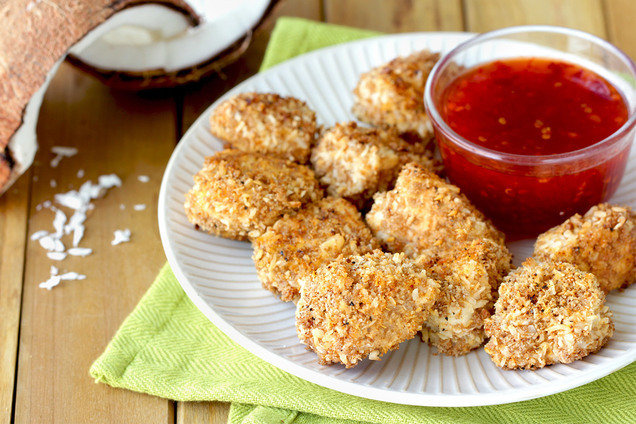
(527, 129)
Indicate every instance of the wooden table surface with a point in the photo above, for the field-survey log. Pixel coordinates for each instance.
(48, 339)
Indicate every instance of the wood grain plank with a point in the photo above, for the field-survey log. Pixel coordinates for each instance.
(64, 330)
(620, 24)
(13, 229)
(202, 412)
(486, 15)
(396, 15)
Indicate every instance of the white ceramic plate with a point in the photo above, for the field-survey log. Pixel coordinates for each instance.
(219, 275)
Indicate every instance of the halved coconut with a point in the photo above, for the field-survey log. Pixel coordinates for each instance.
(155, 47)
(35, 36)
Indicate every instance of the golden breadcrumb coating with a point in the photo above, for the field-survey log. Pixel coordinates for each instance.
(356, 162)
(392, 95)
(547, 312)
(266, 123)
(297, 245)
(602, 242)
(469, 276)
(425, 215)
(361, 306)
(238, 195)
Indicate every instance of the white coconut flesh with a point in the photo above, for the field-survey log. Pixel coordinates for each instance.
(151, 37)
(22, 93)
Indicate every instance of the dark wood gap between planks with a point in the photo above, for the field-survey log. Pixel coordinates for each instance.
(29, 175)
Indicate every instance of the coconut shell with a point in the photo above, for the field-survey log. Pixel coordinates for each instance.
(160, 78)
(34, 35)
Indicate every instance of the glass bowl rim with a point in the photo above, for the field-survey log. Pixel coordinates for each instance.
(514, 158)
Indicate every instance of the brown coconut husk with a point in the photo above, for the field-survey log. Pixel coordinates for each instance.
(33, 37)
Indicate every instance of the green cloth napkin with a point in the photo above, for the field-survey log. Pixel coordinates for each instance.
(167, 348)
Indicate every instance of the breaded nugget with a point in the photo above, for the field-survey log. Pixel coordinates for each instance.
(469, 276)
(392, 95)
(547, 312)
(602, 242)
(297, 245)
(266, 123)
(356, 162)
(238, 195)
(425, 215)
(361, 306)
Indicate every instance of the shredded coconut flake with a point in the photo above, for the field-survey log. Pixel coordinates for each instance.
(108, 181)
(77, 219)
(56, 256)
(69, 276)
(80, 173)
(80, 202)
(89, 191)
(39, 234)
(140, 207)
(71, 200)
(122, 206)
(79, 251)
(76, 226)
(64, 151)
(121, 236)
(53, 183)
(58, 223)
(60, 153)
(55, 279)
(78, 233)
(143, 178)
(47, 242)
(59, 246)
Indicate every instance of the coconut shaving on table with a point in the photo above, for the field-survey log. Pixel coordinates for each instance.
(60, 153)
(79, 202)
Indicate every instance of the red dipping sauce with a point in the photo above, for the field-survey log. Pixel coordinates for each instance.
(532, 107)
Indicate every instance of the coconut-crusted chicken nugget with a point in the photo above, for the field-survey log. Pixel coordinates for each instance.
(425, 215)
(361, 306)
(356, 162)
(547, 313)
(238, 194)
(392, 95)
(602, 242)
(297, 245)
(266, 123)
(469, 277)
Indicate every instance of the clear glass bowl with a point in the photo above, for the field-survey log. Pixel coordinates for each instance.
(525, 195)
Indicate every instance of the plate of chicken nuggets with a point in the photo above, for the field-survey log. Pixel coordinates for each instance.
(306, 214)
